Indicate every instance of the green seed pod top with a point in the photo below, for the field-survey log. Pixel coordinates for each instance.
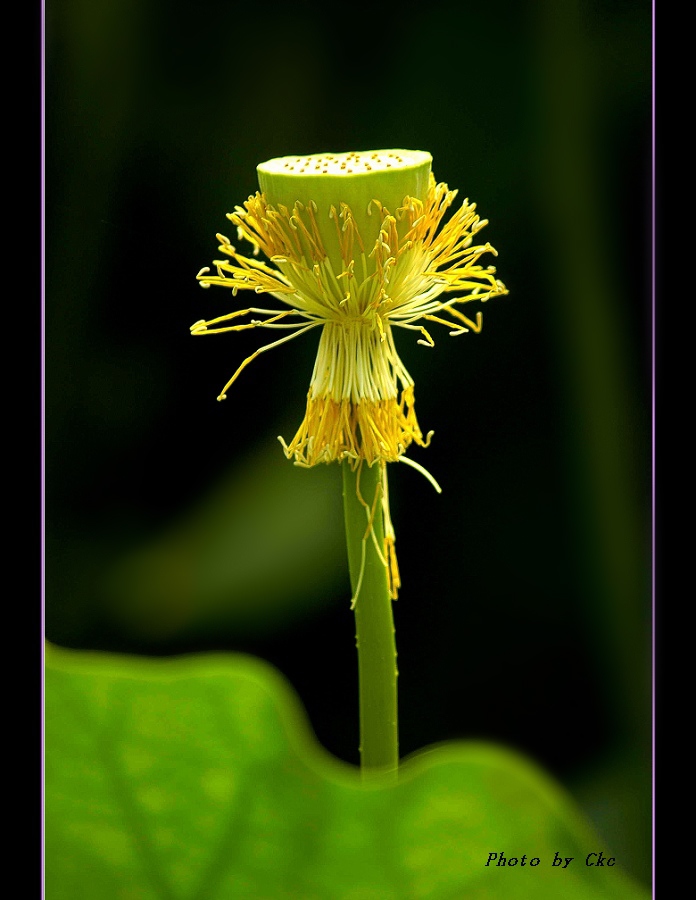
(356, 179)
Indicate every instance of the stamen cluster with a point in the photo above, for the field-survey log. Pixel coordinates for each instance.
(360, 404)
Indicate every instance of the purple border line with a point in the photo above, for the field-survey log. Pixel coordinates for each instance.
(43, 439)
(654, 563)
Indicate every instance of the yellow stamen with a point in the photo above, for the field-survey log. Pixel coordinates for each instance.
(369, 430)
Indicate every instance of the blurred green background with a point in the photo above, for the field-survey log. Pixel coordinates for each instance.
(174, 524)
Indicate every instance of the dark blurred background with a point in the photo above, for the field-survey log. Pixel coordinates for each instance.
(174, 524)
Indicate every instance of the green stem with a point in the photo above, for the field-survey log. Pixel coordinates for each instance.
(374, 622)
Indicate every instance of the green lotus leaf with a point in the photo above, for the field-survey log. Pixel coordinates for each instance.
(197, 778)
